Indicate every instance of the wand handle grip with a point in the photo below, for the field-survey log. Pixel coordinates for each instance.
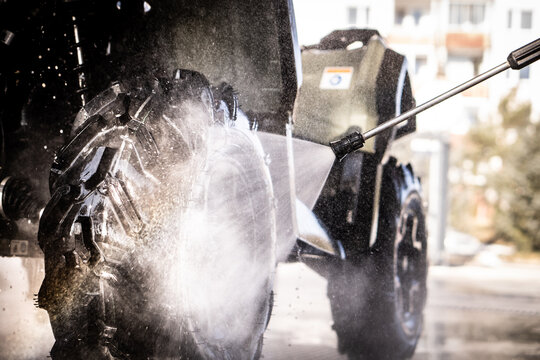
(525, 55)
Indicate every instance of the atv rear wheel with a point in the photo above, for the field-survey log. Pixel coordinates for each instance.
(377, 304)
(123, 251)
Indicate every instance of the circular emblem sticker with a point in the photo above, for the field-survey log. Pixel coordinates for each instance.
(336, 78)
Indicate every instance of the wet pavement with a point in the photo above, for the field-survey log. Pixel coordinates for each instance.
(472, 312)
(482, 313)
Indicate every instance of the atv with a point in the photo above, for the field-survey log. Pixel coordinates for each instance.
(175, 130)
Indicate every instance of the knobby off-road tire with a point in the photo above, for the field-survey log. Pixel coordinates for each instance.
(229, 295)
(377, 304)
(123, 233)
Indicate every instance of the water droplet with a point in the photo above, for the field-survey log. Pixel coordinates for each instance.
(45, 147)
(147, 7)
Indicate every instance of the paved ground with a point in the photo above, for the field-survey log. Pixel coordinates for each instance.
(472, 313)
(482, 313)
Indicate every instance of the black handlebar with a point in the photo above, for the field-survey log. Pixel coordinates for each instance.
(525, 55)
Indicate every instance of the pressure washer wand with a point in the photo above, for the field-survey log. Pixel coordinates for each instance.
(516, 60)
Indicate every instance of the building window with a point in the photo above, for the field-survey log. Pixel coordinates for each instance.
(417, 14)
(524, 73)
(477, 14)
(367, 15)
(526, 19)
(420, 63)
(476, 65)
(509, 22)
(352, 14)
(455, 14)
(467, 13)
(400, 15)
(357, 16)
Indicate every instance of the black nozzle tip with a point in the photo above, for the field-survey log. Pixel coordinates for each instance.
(347, 144)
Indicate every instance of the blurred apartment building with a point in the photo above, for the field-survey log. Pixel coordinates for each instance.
(446, 42)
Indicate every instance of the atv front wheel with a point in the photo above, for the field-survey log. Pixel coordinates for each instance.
(227, 259)
(159, 238)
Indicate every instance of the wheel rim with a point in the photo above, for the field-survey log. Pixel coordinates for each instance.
(410, 266)
(231, 331)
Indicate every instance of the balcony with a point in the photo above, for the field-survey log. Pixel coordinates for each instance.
(466, 44)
